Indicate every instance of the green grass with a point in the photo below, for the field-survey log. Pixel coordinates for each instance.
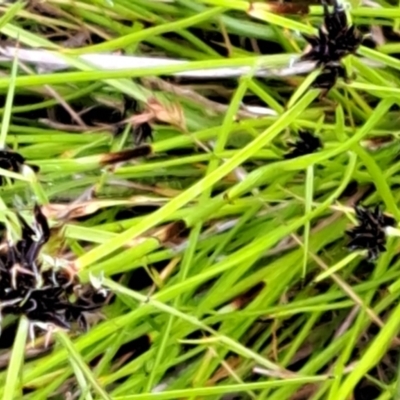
(258, 295)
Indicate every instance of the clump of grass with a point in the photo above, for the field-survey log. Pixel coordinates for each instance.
(227, 260)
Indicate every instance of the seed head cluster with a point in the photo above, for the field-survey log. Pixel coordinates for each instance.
(142, 132)
(49, 296)
(335, 40)
(12, 161)
(307, 143)
(370, 234)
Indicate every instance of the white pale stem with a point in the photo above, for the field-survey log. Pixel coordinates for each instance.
(49, 61)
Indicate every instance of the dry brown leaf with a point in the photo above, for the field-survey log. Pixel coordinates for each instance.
(81, 209)
(222, 372)
(171, 113)
(141, 118)
(169, 232)
(74, 210)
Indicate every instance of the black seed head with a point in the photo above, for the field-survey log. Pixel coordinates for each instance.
(335, 39)
(142, 133)
(12, 161)
(41, 295)
(329, 76)
(306, 144)
(370, 234)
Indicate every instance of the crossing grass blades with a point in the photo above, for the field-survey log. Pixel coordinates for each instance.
(49, 297)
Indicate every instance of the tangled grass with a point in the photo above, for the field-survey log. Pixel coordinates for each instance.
(227, 260)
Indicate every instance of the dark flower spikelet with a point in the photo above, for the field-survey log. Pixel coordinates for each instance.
(306, 144)
(142, 132)
(336, 39)
(12, 161)
(42, 295)
(370, 234)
